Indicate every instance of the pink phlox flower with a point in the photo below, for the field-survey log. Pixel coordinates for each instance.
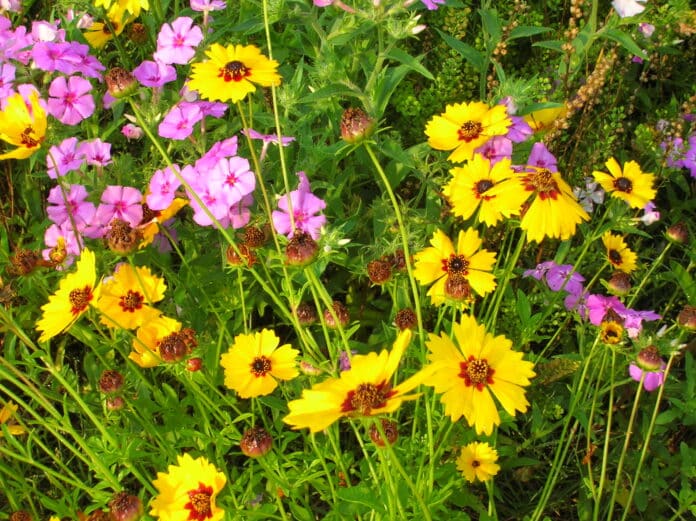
(267, 138)
(120, 202)
(176, 43)
(210, 108)
(86, 64)
(625, 8)
(650, 214)
(70, 102)
(541, 157)
(7, 77)
(178, 123)
(14, 6)
(55, 56)
(562, 276)
(633, 320)
(599, 305)
(163, 186)
(71, 207)
(495, 149)
(208, 5)
(238, 179)
(219, 150)
(304, 207)
(154, 74)
(590, 195)
(646, 29)
(519, 131)
(131, 131)
(43, 31)
(653, 379)
(96, 152)
(432, 5)
(540, 271)
(84, 20)
(63, 158)
(239, 214)
(108, 100)
(16, 45)
(577, 302)
(208, 189)
(71, 240)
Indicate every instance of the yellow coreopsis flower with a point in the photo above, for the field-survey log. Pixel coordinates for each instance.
(630, 184)
(231, 72)
(132, 6)
(156, 219)
(127, 297)
(5, 414)
(618, 253)
(468, 190)
(543, 119)
(76, 292)
(477, 461)
(455, 271)
(366, 389)
(464, 127)
(187, 491)
(22, 126)
(472, 369)
(98, 34)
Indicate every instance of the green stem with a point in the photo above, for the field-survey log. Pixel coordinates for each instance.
(648, 275)
(607, 437)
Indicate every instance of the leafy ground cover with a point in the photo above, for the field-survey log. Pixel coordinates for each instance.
(347, 260)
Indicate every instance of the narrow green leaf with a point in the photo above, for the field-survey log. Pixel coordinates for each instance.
(474, 57)
(411, 62)
(622, 39)
(525, 31)
(492, 25)
(554, 45)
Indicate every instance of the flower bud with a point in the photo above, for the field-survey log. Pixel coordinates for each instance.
(254, 237)
(619, 283)
(306, 314)
(687, 318)
(125, 507)
(110, 381)
(356, 125)
(194, 364)
(120, 83)
(122, 238)
(309, 369)
(115, 403)
(379, 271)
(23, 262)
(177, 345)
(678, 233)
(341, 313)
(390, 429)
(398, 260)
(458, 288)
(20, 515)
(301, 249)
(97, 515)
(137, 33)
(245, 257)
(405, 319)
(256, 442)
(649, 359)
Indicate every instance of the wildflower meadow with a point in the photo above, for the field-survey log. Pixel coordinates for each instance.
(347, 260)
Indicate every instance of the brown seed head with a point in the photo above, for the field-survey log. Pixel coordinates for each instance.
(301, 249)
(256, 442)
(120, 83)
(125, 507)
(341, 313)
(356, 125)
(405, 319)
(110, 381)
(379, 271)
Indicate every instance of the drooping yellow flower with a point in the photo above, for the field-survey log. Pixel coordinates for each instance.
(455, 272)
(477, 461)
(543, 119)
(611, 331)
(161, 339)
(5, 414)
(21, 126)
(99, 33)
(464, 127)
(154, 220)
(187, 491)
(474, 368)
(231, 72)
(630, 184)
(127, 297)
(468, 190)
(366, 389)
(254, 364)
(76, 292)
(618, 253)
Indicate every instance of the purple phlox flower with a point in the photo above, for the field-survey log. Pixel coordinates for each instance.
(590, 195)
(625, 8)
(71, 207)
(163, 186)
(542, 158)
(432, 5)
(96, 152)
(55, 56)
(540, 271)
(577, 302)
(27, 90)
(68, 236)
(208, 189)
(63, 158)
(519, 131)
(510, 105)
(84, 20)
(650, 214)
(210, 108)
(495, 149)
(304, 206)
(219, 150)
(179, 122)
(43, 31)
(187, 94)
(238, 179)
(267, 138)
(176, 43)
(131, 131)
(633, 320)
(646, 29)
(653, 379)
(344, 360)
(599, 305)
(674, 149)
(120, 202)
(689, 159)
(87, 64)
(562, 276)
(154, 74)
(16, 45)
(108, 100)
(208, 5)
(239, 214)
(7, 77)
(14, 6)
(70, 102)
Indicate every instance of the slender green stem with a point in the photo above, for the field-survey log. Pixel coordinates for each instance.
(607, 439)
(648, 275)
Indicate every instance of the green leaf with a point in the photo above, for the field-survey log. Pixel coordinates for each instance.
(622, 39)
(492, 25)
(524, 31)
(554, 45)
(362, 495)
(411, 62)
(474, 57)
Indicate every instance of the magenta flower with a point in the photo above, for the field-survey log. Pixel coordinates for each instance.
(563, 276)
(239, 214)
(71, 207)
(650, 214)
(653, 379)
(238, 179)
(70, 102)
(154, 74)
(67, 237)
(646, 29)
(131, 131)
(208, 5)
(495, 149)
(120, 202)
(215, 109)
(542, 158)
(304, 207)
(15, 45)
(599, 305)
(96, 152)
(432, 5)
(163, 186)
(179, 122)
(208, 191)
(7, 77)
(86, 64)
(540, 271)
(219, 150)
(11, 5)
(55, 56)
(519, 131)
(63, 158)
(43, 31)
(176, 43)
(267, 140)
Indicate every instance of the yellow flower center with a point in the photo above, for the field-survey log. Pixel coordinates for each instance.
(131, 301)
(623, 184)
(234, 71)
(469, 131)
(79, 299)
(456, 265)
(476, 372)
(614, 257)
(26, 138)
(543, 183)
(366, 397)
(260, 366)
(199, 503)
(611, 332)
(482, 187)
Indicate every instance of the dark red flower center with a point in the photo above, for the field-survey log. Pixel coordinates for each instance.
(199, 504)
(260, 366)
(543, 183)
(623, 184)
(456, 265)
(131, 301)
(469, 131)
(481, 187)
(614, 257)
(234, 71)
(476, 372)
(79, 299)
(27, 140)
(366, 397)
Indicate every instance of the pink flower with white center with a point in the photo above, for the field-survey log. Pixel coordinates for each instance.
(120, 202)
(70, 102)
(176, 43)
(71, 206)
(179, 122)
(238, 179)
(10, 5)
(63, 158)
(131, 131)
(163, 185)
(96, 152)
(304, 207)
(43, 31)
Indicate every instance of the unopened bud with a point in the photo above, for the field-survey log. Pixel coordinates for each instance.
(619, 283)
(390, 429)
(137, 33)
(405, 319)
(356, 125)
(115, 403)
(122, 238)
(125, 507)
(301, 249)
(120, 83)
(649, 359)
(20, 515)
(245, 257)
(379, 271)
(256, 442)
(678, 233)
(341, 313)
(110, 381)
(194, 364)
(306, 314)
(687, 318)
